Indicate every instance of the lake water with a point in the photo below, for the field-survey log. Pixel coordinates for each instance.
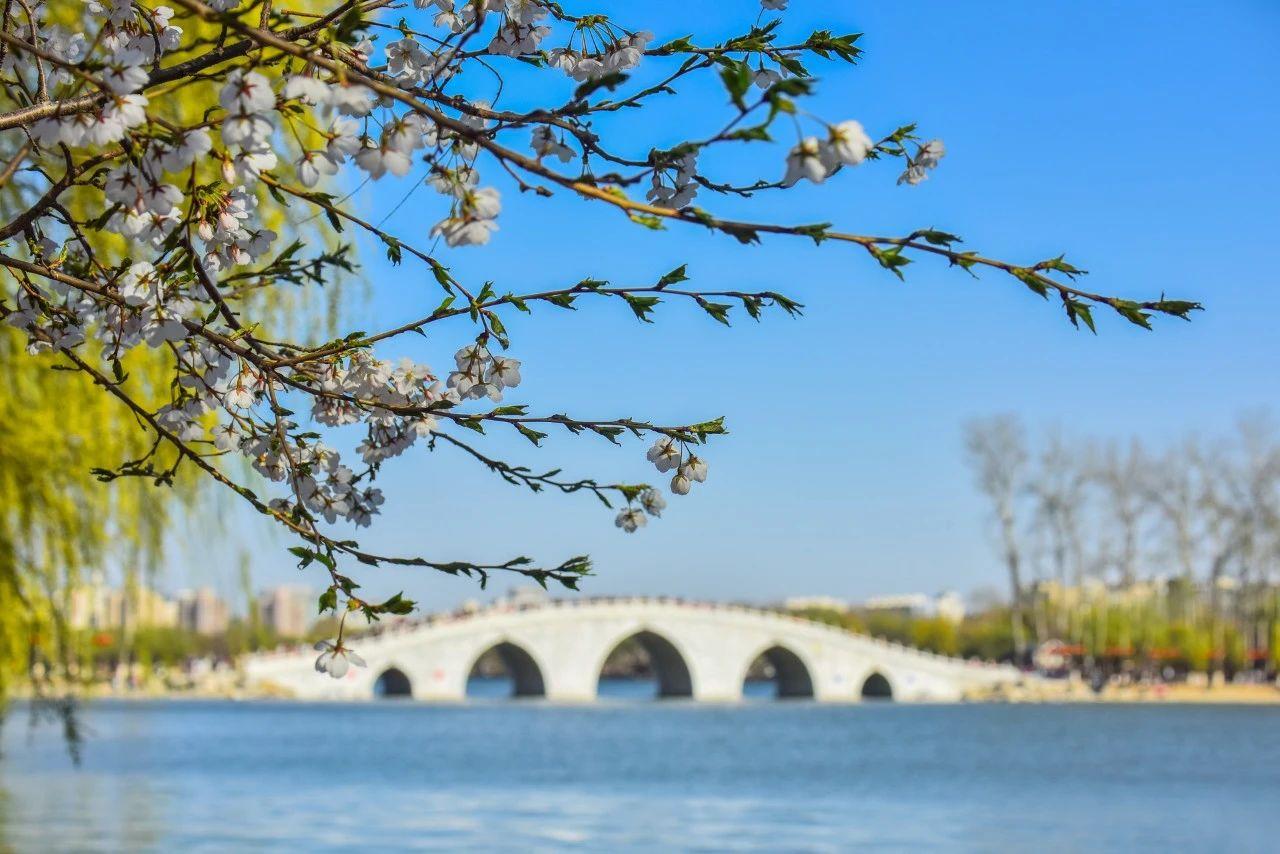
(629, 775)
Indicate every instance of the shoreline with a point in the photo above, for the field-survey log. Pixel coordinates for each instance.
(1076, 692)
(1043, 693)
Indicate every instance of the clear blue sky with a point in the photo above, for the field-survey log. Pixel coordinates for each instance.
(1138, 138)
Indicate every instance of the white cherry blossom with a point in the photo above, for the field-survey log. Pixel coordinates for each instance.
(336, 659)
(631, 519)
(811, 158)
(849, 142)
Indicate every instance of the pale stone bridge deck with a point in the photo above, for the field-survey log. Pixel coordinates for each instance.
(698, 650)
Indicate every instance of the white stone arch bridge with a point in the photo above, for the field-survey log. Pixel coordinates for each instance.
(698, 650)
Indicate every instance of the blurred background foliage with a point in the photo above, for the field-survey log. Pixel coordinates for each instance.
(58, 521)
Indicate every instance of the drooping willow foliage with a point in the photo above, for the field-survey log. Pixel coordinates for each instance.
(61, 436)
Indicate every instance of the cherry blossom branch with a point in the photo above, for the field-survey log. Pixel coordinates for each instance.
(146, 225)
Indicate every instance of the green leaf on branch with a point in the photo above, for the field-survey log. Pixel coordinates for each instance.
(1031, 279)
(817, 232)
(676, 275)
(394, 255)
(718, 310)
(397, 604)
(680, 45)
(642, 306)
(649, 221)
(891, 259)
(786, 303)
(1060, 265)
(609, 431)
(965, 261)
(935, 237)
(441, 272)
(1177, 308)
(824, 44)
(529, 433)
(755, 133)
(744, 234)
(736, 76)
(444, 306)
(1132, 312)
(1079, 311)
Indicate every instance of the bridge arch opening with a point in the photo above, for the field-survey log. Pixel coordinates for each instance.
(392, 684)
(877, 687)
(505, 670)
(645, 664)
(777, 673)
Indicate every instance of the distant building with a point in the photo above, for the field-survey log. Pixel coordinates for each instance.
(815, 603)
(948, 605)
(203, 611)
(287, 610)
(97, 606)
(901, 604)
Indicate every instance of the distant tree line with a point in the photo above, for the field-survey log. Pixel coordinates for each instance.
(1137, 556)
(985, 634)
(100, 651)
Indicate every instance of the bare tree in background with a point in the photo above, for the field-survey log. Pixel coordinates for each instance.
(1189, 534)
(1222, 522)
(1059, 491)
(1260, 525)
(1174, 489)
(1121, 475)
(997, 450)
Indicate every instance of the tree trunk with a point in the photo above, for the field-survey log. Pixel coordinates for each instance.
(1017, 601)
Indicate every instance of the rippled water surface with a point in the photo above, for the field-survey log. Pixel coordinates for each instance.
(631, 775)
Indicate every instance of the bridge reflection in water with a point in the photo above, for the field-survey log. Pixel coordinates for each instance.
(574, 651)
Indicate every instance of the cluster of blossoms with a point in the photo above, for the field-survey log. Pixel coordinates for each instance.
(335, 121)
(473, 217)
(667, 454)
(481, 374)
(412, 64)
(632, 519)
(926, 158)
(620, 53)
(547, 144)
(674, 182)
(247, 128)
(520, 32)
(164, 307)
(124, 110)
(45, 330)
(847, 144)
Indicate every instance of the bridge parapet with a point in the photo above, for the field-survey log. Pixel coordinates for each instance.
(700, 649)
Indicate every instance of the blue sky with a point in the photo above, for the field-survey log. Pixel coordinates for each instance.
(1137, 138)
